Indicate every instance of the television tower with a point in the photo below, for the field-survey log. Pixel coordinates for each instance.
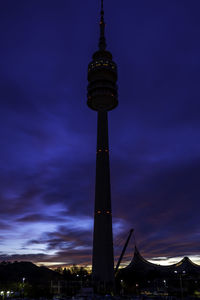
(102, 97)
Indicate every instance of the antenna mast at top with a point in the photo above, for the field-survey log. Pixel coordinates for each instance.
(102, 40)
(102, 5)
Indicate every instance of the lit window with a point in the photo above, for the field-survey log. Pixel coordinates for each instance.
(98, 211)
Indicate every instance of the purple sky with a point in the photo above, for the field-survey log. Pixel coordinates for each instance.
(48, 134)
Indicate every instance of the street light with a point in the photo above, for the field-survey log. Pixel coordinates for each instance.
(23, 279)
(181, 283)
(121, 287)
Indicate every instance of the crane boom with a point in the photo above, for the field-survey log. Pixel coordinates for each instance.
(123, 251)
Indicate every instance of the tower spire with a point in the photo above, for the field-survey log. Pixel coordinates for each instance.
(102, 40)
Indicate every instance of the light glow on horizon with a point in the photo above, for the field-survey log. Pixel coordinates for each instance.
(174, 260)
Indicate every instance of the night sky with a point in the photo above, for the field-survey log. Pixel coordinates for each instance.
(48, 134)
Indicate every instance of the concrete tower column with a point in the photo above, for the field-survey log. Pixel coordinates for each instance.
(103, 262)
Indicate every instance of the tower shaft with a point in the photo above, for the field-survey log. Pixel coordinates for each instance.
(102, 96)
(103, 261)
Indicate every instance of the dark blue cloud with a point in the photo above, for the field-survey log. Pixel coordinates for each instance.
(48, 135)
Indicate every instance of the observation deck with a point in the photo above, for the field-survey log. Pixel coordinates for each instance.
(102, 77)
